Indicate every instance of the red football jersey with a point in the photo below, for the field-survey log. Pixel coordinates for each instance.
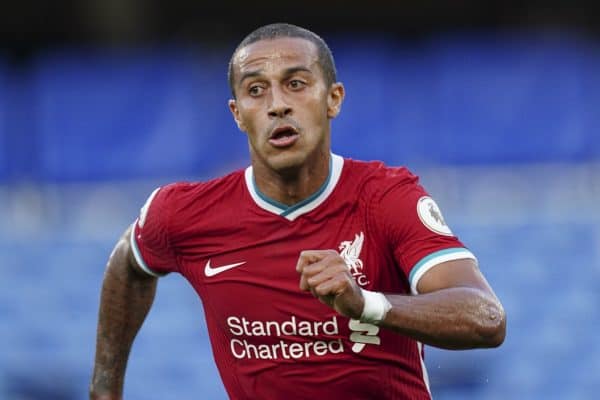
(239, 250)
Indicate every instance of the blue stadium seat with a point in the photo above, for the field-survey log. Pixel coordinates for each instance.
(4, 98)
(106, 115)
(101, 115)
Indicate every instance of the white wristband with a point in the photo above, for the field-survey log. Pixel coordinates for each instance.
(376, 307)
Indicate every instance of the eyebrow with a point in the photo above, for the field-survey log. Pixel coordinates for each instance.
(250, 74)
(286, 72)
(293, 70)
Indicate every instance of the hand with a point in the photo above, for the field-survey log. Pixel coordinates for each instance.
(325, 274)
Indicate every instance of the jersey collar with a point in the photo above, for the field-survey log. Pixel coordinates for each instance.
(336, 163)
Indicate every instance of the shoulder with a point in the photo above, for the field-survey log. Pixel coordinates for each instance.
(179, 200)
(181, 194)
(375, 178)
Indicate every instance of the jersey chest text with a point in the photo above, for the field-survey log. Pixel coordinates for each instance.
(250, 290)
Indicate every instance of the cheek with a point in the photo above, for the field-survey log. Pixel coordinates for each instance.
(247, 110)
(250, 114)
(252, 121)
(318, 111)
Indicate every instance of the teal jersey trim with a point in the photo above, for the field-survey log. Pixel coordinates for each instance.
(430, 257)
(138, 256)
(267, 199)
(285, 209)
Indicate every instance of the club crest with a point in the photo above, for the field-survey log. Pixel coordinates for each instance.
(350, 252)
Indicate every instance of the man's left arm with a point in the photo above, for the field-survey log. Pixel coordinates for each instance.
(455, 307)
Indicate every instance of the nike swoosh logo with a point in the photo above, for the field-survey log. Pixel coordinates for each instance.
(210, 271)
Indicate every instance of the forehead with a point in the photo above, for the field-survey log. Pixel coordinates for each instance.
(271, 52)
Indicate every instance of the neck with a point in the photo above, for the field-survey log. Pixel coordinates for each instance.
(296, 184)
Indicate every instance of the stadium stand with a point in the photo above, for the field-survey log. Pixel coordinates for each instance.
(3, 121)
(503, 131)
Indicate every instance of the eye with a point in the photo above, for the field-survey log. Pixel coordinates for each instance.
(255, 90)
(296, 84)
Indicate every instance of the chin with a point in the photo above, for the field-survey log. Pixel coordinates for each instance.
(287, 161)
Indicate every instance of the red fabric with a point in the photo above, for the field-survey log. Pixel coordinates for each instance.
(270, 340)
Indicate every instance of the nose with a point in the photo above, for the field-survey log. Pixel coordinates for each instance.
(279, 107)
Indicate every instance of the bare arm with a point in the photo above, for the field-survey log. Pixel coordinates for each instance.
(456, 308)
(127, 295)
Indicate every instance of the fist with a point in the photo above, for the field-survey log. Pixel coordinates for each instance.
(325, 274)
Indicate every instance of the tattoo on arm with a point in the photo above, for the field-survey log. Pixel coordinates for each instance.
(126, 298)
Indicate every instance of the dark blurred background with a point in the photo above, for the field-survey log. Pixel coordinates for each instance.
(496, 105)
(30, 25)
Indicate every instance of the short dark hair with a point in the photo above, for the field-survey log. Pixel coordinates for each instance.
(283, 30)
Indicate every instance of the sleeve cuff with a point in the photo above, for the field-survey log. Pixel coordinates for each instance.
(434, 259)
(138, 255)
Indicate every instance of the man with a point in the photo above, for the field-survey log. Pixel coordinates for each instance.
(320, 276)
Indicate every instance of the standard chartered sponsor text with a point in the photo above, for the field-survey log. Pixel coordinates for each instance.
(286, 349)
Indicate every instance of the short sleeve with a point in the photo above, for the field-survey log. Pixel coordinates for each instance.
(150, 235)
(416, 229)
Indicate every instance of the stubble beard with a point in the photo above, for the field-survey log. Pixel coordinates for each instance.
(289, 163)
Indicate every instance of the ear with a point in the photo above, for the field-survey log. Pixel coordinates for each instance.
(236, 115)
(335, 98)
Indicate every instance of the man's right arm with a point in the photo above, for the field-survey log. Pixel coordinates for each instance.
(127, 295)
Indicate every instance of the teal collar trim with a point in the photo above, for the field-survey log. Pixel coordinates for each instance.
(292, 212)
(285, 209)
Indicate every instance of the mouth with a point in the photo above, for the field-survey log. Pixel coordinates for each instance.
(283, 136)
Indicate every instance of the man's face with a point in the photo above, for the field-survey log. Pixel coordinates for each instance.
(283, 102)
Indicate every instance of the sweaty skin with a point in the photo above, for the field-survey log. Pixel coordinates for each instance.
(455, 308)
(279, 83)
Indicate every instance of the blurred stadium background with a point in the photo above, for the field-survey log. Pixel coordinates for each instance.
(495, 105)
